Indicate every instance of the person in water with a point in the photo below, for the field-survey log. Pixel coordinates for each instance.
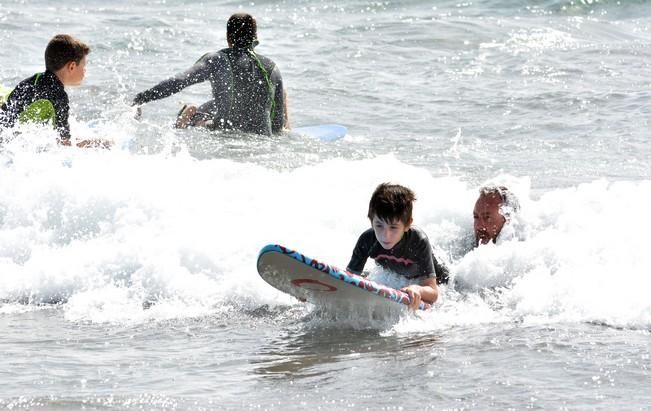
(494, 208)
(247, 88)
(42, 98)
(396, 245)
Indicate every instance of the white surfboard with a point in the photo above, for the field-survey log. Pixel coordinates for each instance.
(323, 132)
(319, 283)
(4, 93)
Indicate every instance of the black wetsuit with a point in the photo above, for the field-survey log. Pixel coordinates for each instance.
(247, 91)
(41, 86)
(412, 257)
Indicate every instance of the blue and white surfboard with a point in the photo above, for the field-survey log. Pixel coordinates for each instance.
(319, 283)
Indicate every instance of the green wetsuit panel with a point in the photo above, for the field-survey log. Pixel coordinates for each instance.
(40, 111)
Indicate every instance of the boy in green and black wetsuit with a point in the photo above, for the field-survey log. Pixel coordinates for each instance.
(42, 98)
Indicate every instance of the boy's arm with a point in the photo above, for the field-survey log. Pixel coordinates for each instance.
(427, 291)
(360, 254)
(62, 109)
(199, 72)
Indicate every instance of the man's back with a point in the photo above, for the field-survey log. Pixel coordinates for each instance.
(250, 87)
(247, 90)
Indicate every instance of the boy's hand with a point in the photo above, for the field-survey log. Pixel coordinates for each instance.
(414, 295)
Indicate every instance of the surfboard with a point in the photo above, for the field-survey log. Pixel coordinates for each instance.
(4, 93)
(314, 281)
(323, 132)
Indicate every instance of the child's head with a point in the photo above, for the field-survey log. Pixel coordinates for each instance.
(392, 203)
(66, 56)
(390, 213)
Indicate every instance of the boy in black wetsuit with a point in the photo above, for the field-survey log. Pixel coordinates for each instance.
(247, 88)
(397, 246)
(42, 98)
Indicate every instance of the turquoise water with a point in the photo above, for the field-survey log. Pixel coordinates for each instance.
(129, 276)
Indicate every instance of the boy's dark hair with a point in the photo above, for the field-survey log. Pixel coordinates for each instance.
(241, 30)
(63, 49)
(391, 202)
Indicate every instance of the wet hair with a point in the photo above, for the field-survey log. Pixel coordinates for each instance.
(241, 30)
(63, 49)
(391, 202)
(509, 204)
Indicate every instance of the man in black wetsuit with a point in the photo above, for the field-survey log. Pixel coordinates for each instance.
(247, 88)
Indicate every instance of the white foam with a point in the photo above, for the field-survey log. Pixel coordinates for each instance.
(122, 237)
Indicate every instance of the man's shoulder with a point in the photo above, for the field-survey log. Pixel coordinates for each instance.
(266, 61)
(214, 57)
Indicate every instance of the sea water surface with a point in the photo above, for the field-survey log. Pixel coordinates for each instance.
(128, 277)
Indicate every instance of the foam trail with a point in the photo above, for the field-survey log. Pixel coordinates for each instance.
(122, 237)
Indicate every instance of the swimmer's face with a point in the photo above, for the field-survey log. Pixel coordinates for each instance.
(388, 233)
(73, 72)
(488, 219)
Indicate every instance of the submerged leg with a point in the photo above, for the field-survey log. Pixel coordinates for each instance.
(184, 118)
(193, 116)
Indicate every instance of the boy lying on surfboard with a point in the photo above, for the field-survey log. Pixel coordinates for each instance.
(42, 98)
(397, 246)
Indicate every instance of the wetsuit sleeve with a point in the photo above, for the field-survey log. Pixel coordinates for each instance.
(278, 120)
(199, 72)
(360, 253)
(425, 258)
(62, 109)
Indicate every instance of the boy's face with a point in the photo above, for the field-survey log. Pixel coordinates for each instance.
(388, 234)
(75, 72)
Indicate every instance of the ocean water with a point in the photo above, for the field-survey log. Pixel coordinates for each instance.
(128, 277)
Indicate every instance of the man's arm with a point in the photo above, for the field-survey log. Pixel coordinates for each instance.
(199, 72)
(280, 117)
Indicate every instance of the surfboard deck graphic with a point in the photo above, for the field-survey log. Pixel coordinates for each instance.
(323, 132)
(317, 282)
